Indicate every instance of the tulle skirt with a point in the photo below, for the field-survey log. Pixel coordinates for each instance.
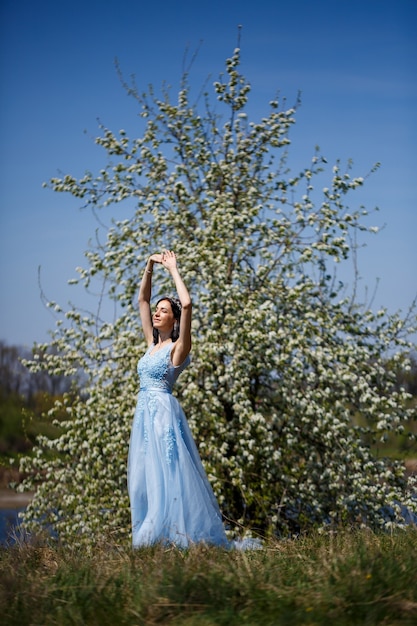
(170, 496)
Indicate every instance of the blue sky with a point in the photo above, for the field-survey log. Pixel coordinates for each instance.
(354, 63)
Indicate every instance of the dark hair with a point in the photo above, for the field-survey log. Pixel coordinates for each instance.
(176, 309)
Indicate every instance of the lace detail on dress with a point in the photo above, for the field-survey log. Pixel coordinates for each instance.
(152, 369)
(153, 406)
(180, 428)
(170, 444)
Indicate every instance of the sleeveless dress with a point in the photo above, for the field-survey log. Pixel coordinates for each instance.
(170, 496)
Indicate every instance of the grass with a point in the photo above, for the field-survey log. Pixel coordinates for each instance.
(340, 579)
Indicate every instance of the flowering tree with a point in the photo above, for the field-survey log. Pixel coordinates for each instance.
(289, 371)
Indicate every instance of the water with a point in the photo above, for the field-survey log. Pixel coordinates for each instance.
(9, 525)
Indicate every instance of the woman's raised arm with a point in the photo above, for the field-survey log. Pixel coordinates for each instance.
(144, 298)
(182, 346)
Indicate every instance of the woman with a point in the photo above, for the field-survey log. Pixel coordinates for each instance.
(170, 496)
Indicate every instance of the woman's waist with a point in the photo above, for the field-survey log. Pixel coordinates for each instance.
(145, 388)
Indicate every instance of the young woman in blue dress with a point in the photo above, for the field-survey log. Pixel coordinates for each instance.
(171, 499)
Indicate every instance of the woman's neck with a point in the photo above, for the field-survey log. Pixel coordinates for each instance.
(163, 339)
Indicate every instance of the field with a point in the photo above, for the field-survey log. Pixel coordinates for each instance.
(342, 579)
(353, 577)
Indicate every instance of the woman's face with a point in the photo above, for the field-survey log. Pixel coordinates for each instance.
(163, 317)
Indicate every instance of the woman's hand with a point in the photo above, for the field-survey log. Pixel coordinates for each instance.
(156, 258)
(169, 260)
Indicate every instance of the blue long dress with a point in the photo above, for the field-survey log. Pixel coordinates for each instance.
(170, 497)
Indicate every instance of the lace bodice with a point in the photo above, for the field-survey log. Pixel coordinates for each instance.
(156, 371)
